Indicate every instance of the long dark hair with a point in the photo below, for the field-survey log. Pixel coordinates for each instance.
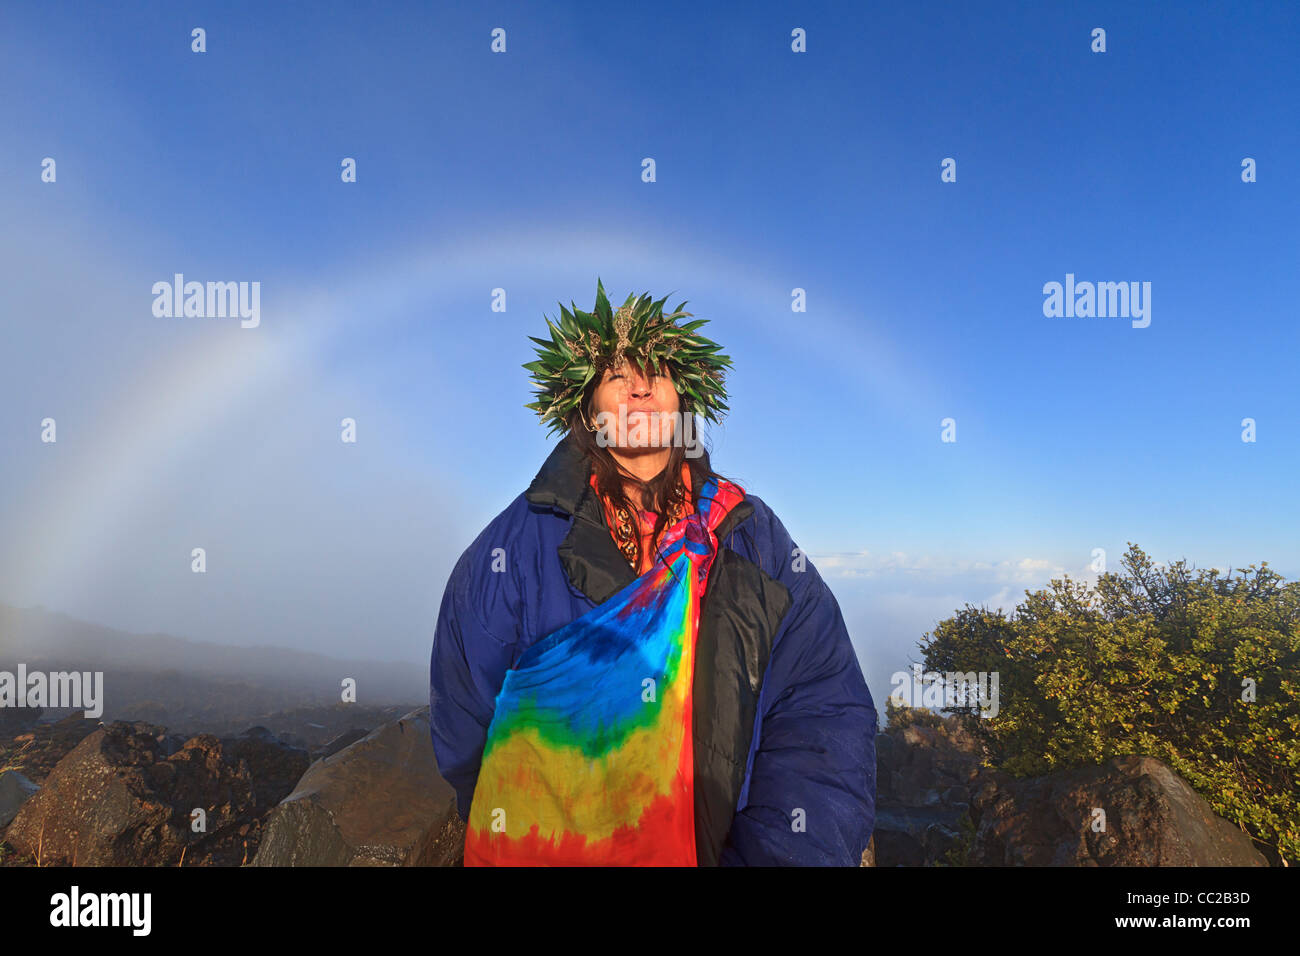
(657, 493)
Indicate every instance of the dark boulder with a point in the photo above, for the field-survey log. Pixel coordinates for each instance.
(1152, 818)
(937, 805)
(124, 797)
(15, 790)
(377, 802)
(274, 767)
(924, 775)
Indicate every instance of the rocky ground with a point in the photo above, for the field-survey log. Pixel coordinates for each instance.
(937, 806)
(79, 791)
(354, 787)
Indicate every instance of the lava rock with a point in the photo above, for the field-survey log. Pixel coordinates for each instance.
(119, 798)
(1152, 818)
(15, 790)
(378, 802)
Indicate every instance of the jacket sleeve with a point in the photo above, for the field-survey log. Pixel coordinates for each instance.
(810, 794)
(473, 643)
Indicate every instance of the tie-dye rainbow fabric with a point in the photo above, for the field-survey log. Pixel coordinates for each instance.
(588, 760)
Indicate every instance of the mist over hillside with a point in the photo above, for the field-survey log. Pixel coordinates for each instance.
(192, 686)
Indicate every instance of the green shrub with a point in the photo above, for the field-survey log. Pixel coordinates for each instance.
(900, 716)
(1155, 662)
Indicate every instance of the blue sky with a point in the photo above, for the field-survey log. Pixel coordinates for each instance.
(522, 170)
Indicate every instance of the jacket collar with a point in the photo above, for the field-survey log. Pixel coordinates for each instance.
(593, 562)
(563, 478)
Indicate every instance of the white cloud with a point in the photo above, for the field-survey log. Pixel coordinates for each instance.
(865, 564)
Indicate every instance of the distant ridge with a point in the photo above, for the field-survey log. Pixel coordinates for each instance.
(57, 640)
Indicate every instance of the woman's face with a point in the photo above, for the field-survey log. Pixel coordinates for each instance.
(634, 411)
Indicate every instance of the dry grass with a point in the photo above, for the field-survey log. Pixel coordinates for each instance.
(13, 762)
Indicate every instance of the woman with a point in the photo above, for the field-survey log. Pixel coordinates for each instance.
(633, 663)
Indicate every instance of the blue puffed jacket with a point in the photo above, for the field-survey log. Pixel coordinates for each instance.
(784, 727)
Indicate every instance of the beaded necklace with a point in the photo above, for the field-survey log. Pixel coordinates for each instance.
(621, 525)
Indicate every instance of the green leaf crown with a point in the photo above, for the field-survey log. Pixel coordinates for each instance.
(584, 344)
